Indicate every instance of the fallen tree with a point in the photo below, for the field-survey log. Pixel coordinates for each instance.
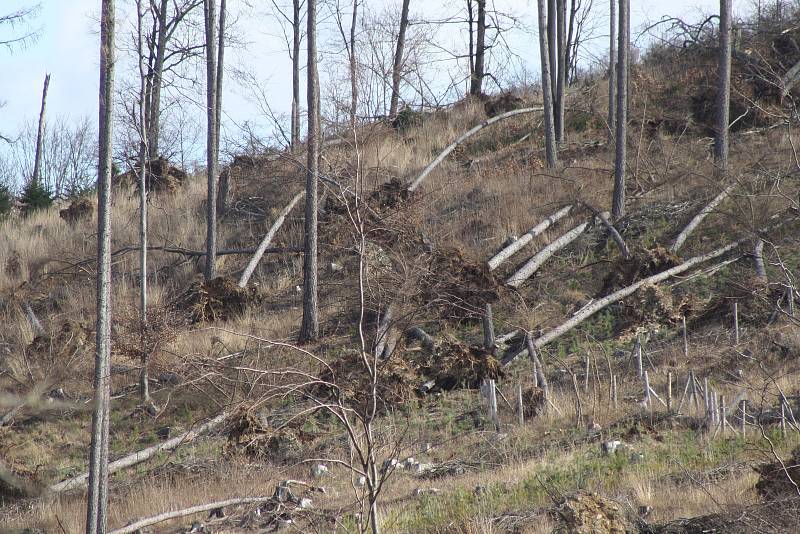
(536, 261)
(262, 247)
(616, 296)
(144, 454)
(469, 133)
(527, 237)
(697, 219)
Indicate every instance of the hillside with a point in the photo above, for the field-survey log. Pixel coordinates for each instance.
(591, 454)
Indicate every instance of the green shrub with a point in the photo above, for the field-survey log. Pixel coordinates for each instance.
(6, 201)
(35, 197)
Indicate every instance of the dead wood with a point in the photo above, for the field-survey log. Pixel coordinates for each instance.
(463, 137)
(697, 219)
(536, 261)
(166, 516)
(144, 454)
(36, 325)
(262, 247)
(526, 238)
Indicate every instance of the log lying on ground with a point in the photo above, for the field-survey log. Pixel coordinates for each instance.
(425, 339)
(536, 261)
(166, 516)
(758, 259)
(615, 235)
(616, 296)
(145, 454)
(262, 247)
(526, 238)
(475, 129)
(697, 219)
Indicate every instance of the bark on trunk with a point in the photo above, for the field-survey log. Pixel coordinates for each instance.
(309, 329)
(552, 44)
(97, 501)
(154, 129)
(561, 75)
(511, 249)
(295, 134)
(618, 208)
(37, 162)
(444, 153)
(220, 69)
(697, 219)
(397, 65)
(353, 69)
(476, 83)
(144, 381)
(262, 247)
(723, 87)
(612, 72)
(547, 87)
(211, 138)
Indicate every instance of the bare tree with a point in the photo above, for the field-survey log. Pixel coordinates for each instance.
(220, 68)
(398, 59)
(479, 54)
(623, 44)
(612, 70)
(721, 140)
(295, 127)
(37, 161)
(211, 137)
(547, 94)
(561, 70)
(13, 21)
(309, 329)
(96, 509)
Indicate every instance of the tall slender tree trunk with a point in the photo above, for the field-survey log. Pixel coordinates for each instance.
(397, 65)
(97, 502)
(309, 329)
(211, 138)
(552, 45)
(144, 381)
(154, 124)
(547, 92)
(220, 70)
(623, 44)
(561, 73)
(471, 23)
(37, 161)
(612, 72)
(353, 68)
(476, 82)
(571, 37)
(721, 142)
(295, 134)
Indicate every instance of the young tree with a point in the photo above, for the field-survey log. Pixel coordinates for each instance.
(309, 329)
(295, 126)
(612, 70)
(37, 161)
(211, 137)
(547, 93)
(96, 509)
(618, 206)
(479, 69)
(561, 70)
(398, 59)
(721, 141)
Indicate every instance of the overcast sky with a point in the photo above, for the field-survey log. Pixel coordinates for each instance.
(68, 49)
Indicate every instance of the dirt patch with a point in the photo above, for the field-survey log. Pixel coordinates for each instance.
(72, 340)
(503, 103)
(80, 208)
(391, 195)
(700, 525)
(217, 300)
(254, 437)
(588, 513)
(162, 176)
(774, 481)
(454, 365)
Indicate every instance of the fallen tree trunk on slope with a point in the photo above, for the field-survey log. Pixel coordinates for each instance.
(144, 454)
(262, 247)
(536, 261)
(616, 296)
(469, 133)
(175, 514)
(526, 238)
(697, 219)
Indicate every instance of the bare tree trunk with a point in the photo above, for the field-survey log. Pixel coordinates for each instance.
(37, 162)
(476, 83)
(526, 238)
(309, 329)
(552, 45)
(220, 66)
(618, 207)
(353, 69)
(547, 91)
(154, 124)
(571, 44)
(721, 141)
(561, 74)
(144, 382)
(295, 134)
(398, 59)
(211, 138)
(96, 509)
(697, 219)
(612, 72)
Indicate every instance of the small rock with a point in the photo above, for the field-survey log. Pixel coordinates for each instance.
(644, 511)
(335, 267)
(421, 468)
(636, 457)
(610, 447)
(427, 386)
(408, 463)
(318, 470)
(57, 394)
(283, 524)
(163, 432)
(425, 491)
(218, 513)
(304, 503)
(390, 463)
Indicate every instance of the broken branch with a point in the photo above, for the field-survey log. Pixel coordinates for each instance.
(526, 238)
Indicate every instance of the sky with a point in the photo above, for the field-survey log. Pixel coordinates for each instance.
(68, 43)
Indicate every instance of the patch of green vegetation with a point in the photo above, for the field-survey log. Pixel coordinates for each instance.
(35, 197)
